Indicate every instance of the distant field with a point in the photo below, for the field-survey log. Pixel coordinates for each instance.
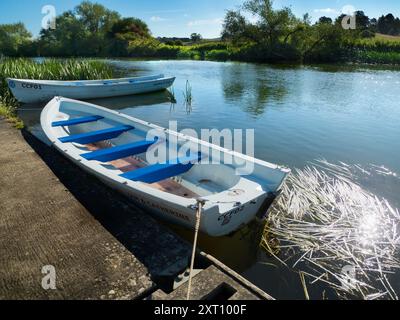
(385, 37)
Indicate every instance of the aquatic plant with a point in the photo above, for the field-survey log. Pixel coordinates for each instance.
(187, 94)
(188, 97)
(171, 95)
(334, 232)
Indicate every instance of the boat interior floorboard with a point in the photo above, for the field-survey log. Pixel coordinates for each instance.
(133, 163)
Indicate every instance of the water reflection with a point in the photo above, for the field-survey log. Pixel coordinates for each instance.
(30, 113)
(150, 99)
(253, 88)
(239, 250)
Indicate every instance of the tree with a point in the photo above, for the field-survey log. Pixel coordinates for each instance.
(325, 20)
(91, 30)
(130, 29)
(362, 21)
(68, 39)
(323, 43)
(373, 25)
(389, 25)
(95, 17)
(123, 32)
(196, 37)
(273, 36)
(97, 21)
(13, 38)
(234, 26)
(273, 24)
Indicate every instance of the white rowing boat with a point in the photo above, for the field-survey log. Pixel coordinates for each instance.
(116, 148)
(33, 91)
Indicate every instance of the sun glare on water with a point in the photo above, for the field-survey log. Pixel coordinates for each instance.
(326, 223)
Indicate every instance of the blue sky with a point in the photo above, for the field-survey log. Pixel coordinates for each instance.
(183, 17)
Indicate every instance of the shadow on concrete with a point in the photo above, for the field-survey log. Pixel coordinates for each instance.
(162, 252)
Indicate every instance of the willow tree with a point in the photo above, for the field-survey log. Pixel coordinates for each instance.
(271, 30)
(273, 25)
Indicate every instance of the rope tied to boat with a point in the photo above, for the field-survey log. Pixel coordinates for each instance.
(200, 204)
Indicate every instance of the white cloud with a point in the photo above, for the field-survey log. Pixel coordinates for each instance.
(327, 11)
(349, 9)
(205, 22)
(157, 19)
(252, 18)
(164, 11)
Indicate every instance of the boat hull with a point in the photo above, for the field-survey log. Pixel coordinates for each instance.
(213, 222)
(238, 201)
(26, 91)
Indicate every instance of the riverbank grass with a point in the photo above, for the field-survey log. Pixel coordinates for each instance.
(9, 113)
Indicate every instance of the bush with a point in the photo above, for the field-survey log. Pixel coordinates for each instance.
(376, 57)
(167, 51)
(143, 47)
(189, 53)
(367, 34)
(264, 53)
(218, 55)
(210, 46)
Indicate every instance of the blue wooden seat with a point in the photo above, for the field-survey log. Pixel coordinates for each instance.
(76, 121)
(159, 172)
(96, 136)
(119, 152)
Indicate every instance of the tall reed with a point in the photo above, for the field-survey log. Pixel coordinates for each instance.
(187, 94)
(50, 69)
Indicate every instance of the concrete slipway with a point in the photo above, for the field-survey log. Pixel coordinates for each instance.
(102, 247)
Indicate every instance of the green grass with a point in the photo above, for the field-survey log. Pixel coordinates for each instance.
(380, 49)
(151, 48)
(377, 57)
(9, 112)
(380, 43)
(51, 69)
(385, 37)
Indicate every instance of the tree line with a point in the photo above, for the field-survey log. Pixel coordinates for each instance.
(92, 30)
(278, 35)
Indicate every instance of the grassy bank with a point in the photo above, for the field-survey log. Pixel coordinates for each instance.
(377, 50)
(381, 49)
(47, 70)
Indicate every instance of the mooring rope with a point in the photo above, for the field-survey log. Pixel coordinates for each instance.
(200, 204)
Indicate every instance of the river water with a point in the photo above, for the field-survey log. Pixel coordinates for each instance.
(344, 114)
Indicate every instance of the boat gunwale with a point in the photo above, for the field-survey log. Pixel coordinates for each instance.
(182, 136)
(93, 83)
(68, 149)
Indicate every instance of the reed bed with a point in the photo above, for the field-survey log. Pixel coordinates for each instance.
(335, 233)
(49, 69)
